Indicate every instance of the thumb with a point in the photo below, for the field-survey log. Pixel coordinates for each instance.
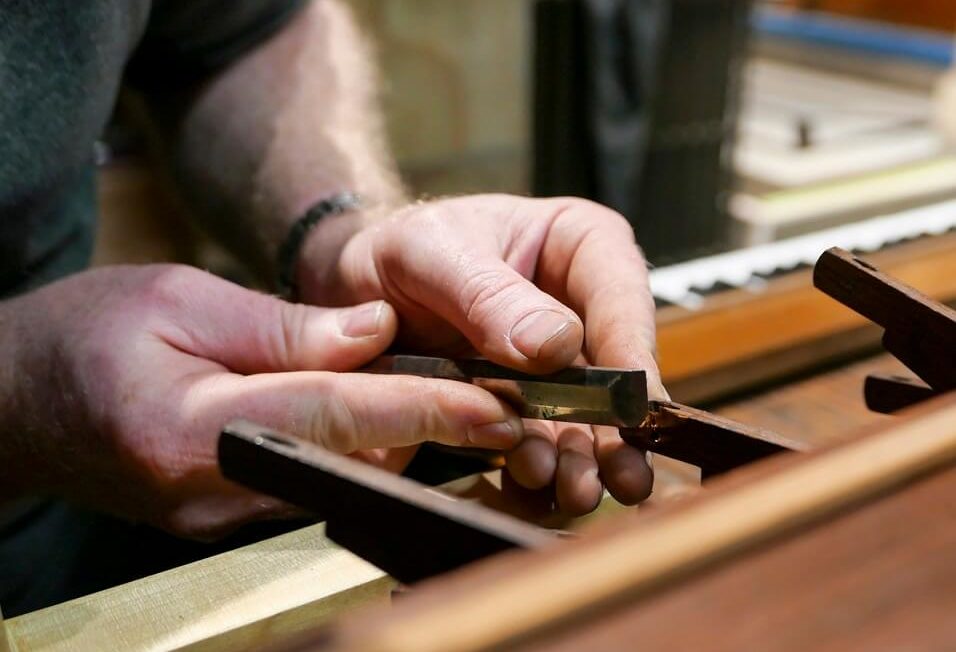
(249, 332)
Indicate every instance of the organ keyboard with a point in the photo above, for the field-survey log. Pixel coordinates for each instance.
(688, 284)
(740, 320)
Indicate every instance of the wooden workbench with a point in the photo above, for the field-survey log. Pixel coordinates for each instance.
(845, 548)
(268, 590)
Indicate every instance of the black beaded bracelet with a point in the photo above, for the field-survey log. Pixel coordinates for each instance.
(289, 250)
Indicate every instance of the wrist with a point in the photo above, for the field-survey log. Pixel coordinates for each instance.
(23, 435)
(290, 251)
(318, 267)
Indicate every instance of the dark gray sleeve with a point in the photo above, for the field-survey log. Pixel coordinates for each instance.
(186, 40)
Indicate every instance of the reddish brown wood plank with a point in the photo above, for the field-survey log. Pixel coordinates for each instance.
(713, 443)
(791, 482)
(880, 578)
(819, 410)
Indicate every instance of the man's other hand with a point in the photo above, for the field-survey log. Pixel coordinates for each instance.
(124, 377)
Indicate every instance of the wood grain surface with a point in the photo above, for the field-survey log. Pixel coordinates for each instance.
(512, 601)
(235, 601)
(880, 578)
(713, 443)
(818, 410)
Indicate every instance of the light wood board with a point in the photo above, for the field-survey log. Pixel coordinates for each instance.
(242, 599)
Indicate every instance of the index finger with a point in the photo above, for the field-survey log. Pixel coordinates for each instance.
(348, 412)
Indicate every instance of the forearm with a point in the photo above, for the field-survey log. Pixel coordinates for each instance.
(31, 423)
(292, 122)
(12, 442)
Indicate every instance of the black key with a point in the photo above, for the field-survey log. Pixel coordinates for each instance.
(719, 286)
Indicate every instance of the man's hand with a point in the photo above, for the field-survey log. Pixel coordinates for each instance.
(459, 272)
(123, 377)
(532, 284)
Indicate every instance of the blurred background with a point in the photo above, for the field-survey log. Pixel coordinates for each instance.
(740, 138)
(710, 124)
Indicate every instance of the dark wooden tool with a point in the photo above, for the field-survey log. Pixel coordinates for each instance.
(713, 443)
(372, 512)
(410, 531)
(918, 331)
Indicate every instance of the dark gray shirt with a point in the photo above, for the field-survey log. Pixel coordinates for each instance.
(61, 66)
(62, 63)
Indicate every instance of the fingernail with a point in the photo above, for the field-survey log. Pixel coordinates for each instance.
(537, 329)
(502, 434)
(656, 390)
(363, 321)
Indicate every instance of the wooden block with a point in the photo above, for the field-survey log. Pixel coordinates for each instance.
(919, 331)
(713, 443)
(239, 600)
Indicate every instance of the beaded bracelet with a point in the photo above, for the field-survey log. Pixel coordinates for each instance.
(289, 251)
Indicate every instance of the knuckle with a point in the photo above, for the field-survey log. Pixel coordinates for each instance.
(285, 341)
(442, 413)
(486, 292)
(335, 426)
(594, 215)
(434, 422)
(410, 223)
(170, 286)
(448, 410)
